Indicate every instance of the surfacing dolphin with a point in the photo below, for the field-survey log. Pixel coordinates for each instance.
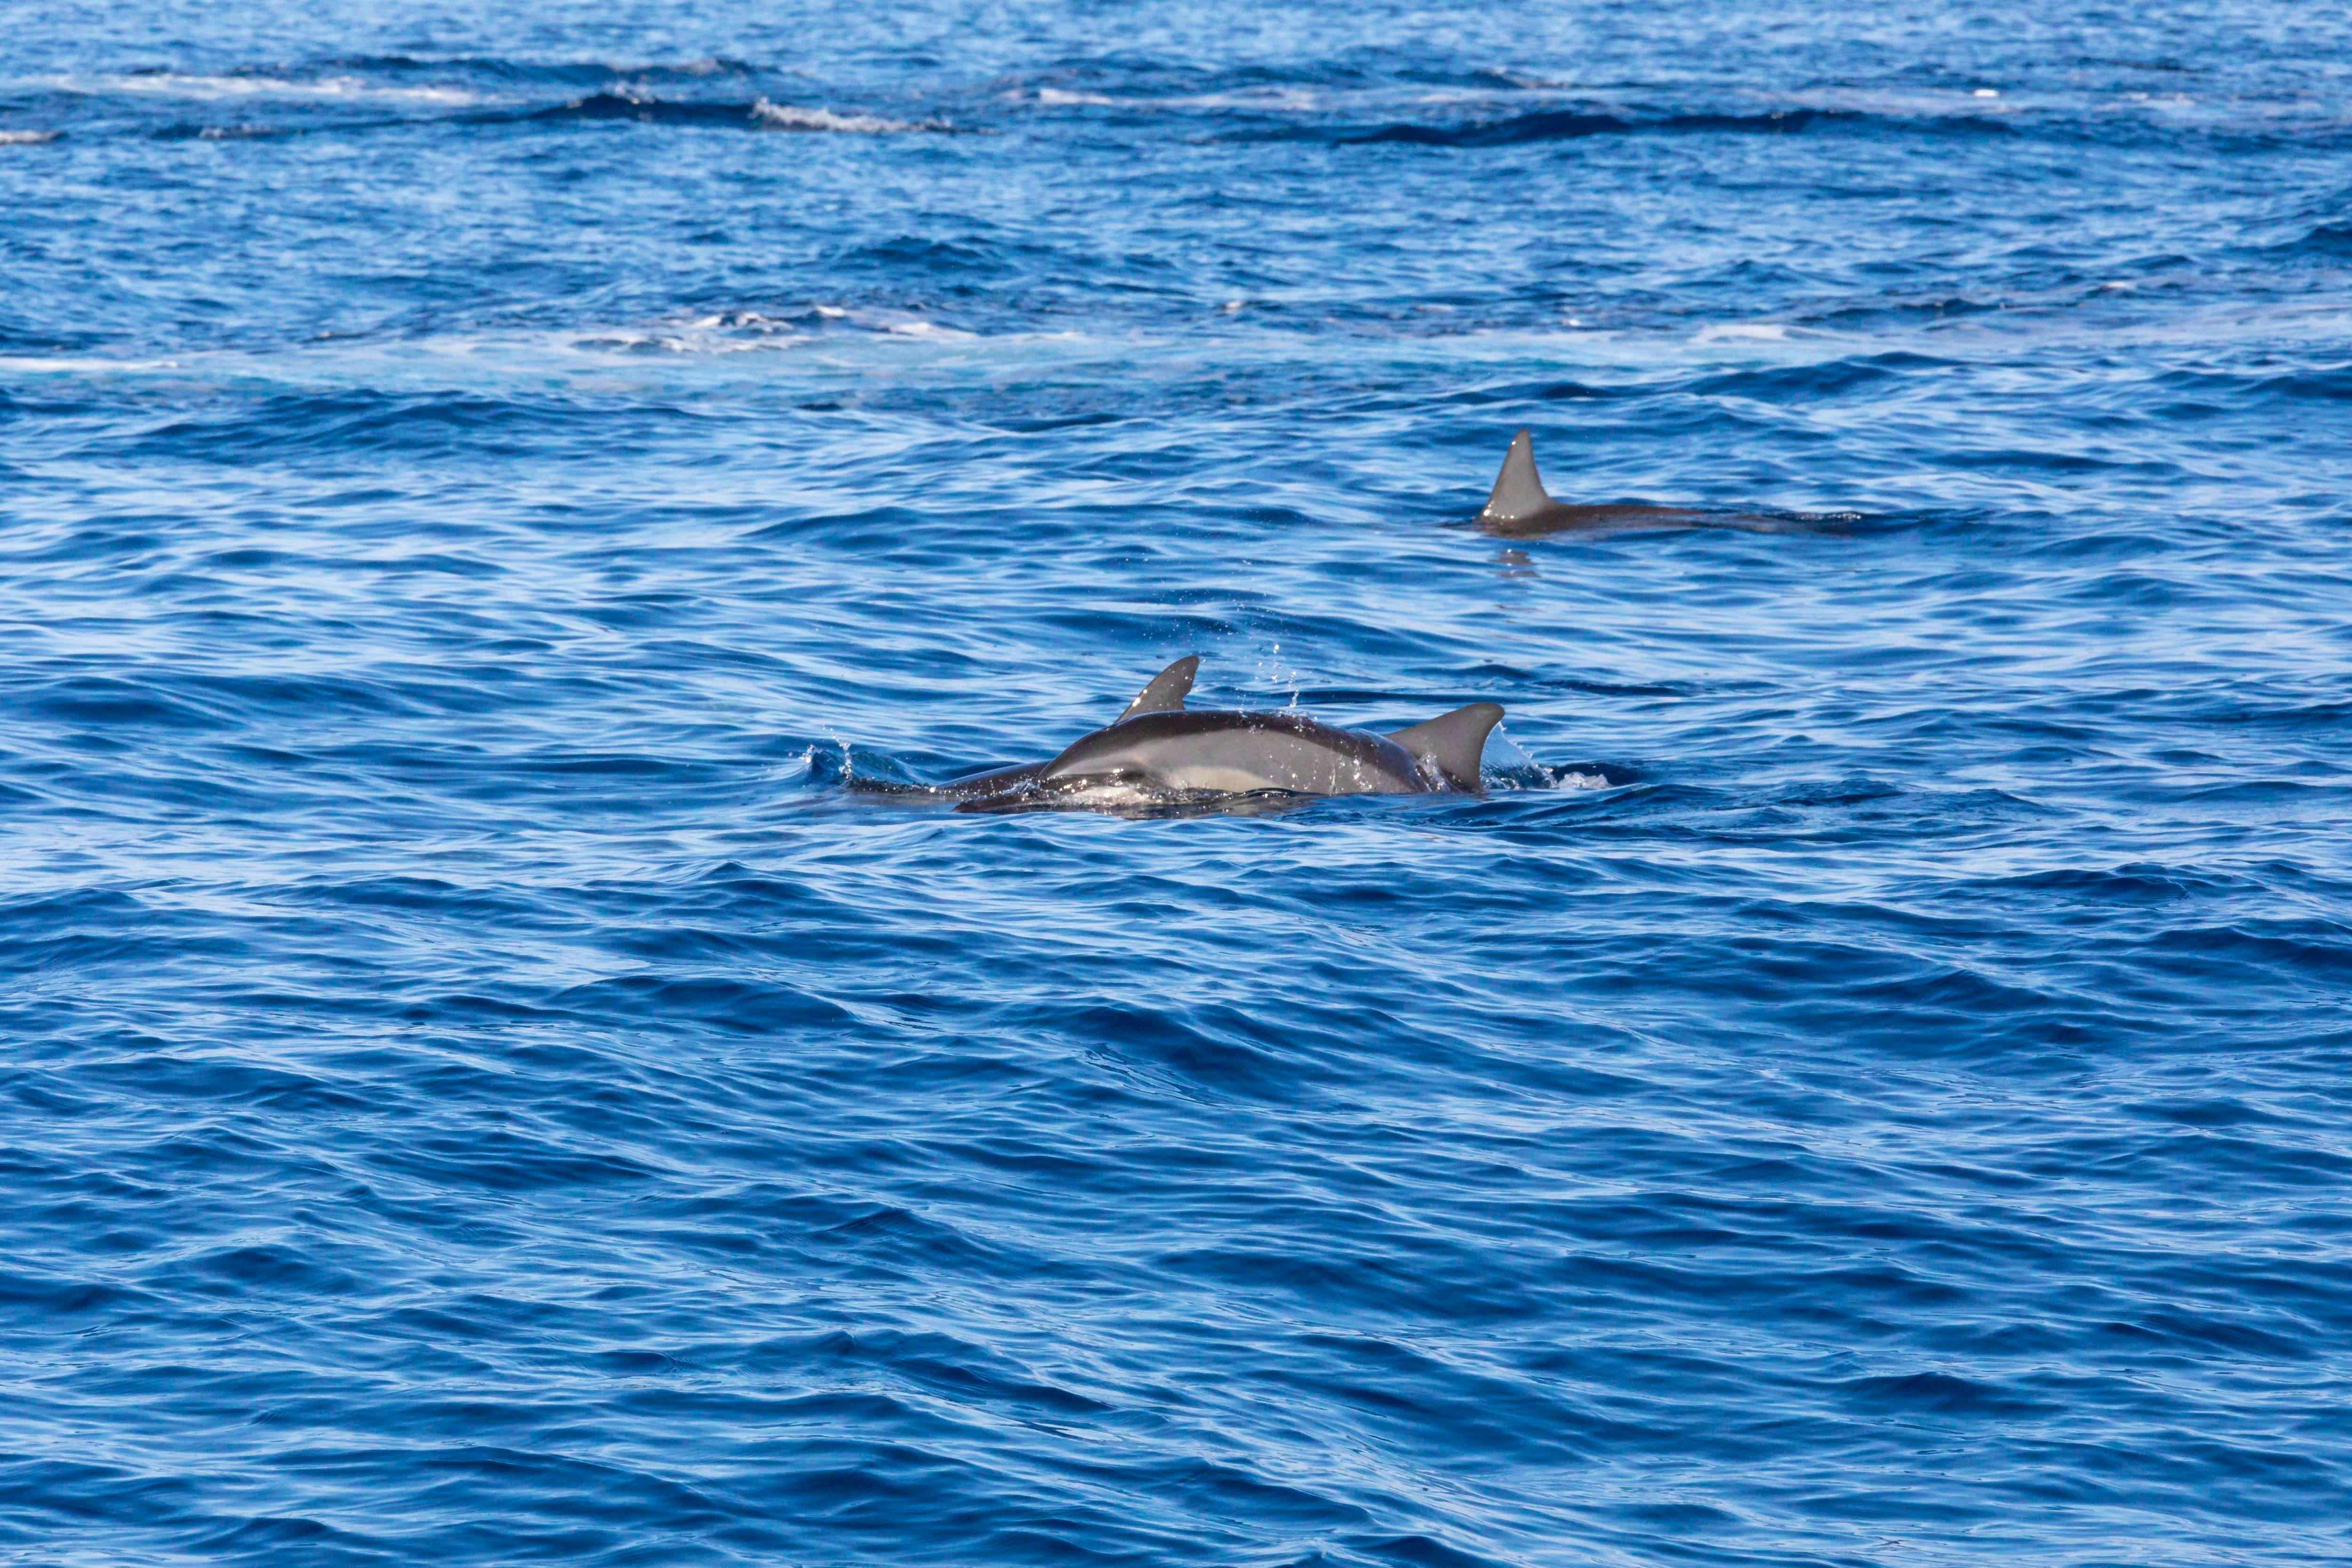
(1159, 753)
(1520, 507)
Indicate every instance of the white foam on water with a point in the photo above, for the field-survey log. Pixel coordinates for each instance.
(922, 328)
(79, 364)
(791, 117)
(173, 84)
(1503, 752)
(1742, 332)
(26, 138)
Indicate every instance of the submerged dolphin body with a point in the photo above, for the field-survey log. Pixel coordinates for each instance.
(1160, 752)
(1519, 507)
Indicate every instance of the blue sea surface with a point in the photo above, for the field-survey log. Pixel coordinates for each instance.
(1870, 1081)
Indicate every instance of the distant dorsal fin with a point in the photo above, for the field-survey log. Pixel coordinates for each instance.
(1454, 741)
(1518, 491)
(1165, 693)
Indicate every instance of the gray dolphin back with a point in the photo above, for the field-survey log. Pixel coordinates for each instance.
(1167, 690)
(1518, 491)
(1158, 745)
(1452, 742)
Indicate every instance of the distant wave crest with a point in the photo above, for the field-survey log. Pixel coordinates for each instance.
(792, 117)
(760, 114)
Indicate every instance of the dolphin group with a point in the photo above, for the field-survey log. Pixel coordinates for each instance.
(1159, 752)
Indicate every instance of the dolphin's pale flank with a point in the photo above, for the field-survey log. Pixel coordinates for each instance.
(1159, 750)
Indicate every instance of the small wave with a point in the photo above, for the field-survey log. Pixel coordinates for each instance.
(1943, 307)
(745, 332)
(791, 117)
(1568, 124)
(1573, 124)
(644, 110)
(922, 327)
(1818, 379)
(2327, 239)
(27, 137)
(760, 114)
(222, 132)
(711, 332)
(1553, 125)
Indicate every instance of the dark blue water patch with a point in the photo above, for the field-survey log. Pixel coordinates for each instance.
(904, 254)
(2327, 239)
(405, 424)
(1826, 379)
(1548, 391)
(1941, 1395)
(2331, 384)
(47, 932)
(113, 703)
(1577, 124)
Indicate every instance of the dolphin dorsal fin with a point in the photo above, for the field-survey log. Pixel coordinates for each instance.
(1454, 741)
(1518, 491)
(1165, 693)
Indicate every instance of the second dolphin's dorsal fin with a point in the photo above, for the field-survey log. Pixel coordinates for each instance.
(1167, 691)
(1454, 741)
(1518, 491)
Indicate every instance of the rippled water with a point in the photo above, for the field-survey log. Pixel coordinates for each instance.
(1866, 1085)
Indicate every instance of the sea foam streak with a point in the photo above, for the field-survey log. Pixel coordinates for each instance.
(792, 117)
(175, 84)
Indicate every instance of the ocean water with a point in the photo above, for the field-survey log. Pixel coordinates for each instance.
(1869, 1083)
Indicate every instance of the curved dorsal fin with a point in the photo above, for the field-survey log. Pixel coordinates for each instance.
(1454, 741)
(1167, 690)
(1518, 491)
